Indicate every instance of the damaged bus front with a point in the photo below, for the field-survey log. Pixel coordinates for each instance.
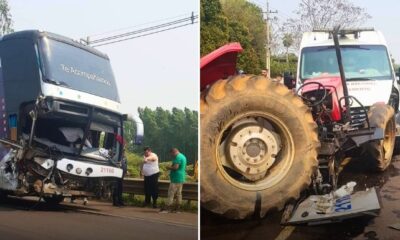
(61, 127)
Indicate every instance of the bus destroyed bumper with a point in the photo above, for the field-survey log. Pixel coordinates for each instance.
(76, 169)
(79, 168)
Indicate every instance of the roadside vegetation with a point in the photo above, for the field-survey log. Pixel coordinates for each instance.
(224, 21)
(164, 129)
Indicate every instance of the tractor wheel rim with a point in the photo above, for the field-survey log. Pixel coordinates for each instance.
(252, 150)
(243, 148)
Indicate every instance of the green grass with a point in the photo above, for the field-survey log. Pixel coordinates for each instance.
(138, 200)
(134, 162)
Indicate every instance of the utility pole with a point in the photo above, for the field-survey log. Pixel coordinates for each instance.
(268, 44)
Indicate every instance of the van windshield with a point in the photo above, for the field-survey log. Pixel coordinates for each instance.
(78, 69)
(360, 62)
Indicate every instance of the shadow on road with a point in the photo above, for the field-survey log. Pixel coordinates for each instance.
(12, 203)
(216, 227)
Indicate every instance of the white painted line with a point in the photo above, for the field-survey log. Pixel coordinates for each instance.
(176, 224)
(285, 233)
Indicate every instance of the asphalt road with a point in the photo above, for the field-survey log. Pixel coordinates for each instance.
(387, 184)
(17, 221)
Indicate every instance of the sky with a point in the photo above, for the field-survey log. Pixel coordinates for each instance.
(156, 70)
(385, 17)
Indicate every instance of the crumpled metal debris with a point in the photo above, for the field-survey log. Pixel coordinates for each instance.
(73, 134)
(8, 176)
(395, 226)
(325, 203)
(349, 206)
(104, 152)
(346, 189)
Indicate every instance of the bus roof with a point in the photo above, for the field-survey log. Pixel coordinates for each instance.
(36, 34)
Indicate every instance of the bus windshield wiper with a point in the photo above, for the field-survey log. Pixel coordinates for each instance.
(344, 47)
(55, 82)
(358, 79)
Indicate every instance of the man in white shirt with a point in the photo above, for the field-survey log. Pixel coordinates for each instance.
(151, 172)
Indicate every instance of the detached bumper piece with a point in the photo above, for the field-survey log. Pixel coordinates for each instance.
(358, 204)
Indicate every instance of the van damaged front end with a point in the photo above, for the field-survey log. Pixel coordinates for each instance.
(67, 149)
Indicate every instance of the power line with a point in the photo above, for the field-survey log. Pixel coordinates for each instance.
(138, 25)
(146, 34)
(142, 32)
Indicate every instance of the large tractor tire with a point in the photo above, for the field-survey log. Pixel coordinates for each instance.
(379, 153)
(258, 147)
(396, 150)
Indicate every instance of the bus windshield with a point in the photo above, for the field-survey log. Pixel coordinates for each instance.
(78, 69)
(360, 62)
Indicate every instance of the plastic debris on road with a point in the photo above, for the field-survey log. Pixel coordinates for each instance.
(336, 206)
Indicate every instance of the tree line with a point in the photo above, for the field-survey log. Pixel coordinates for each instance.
(165, 129)
(234, 21)
(224, 21)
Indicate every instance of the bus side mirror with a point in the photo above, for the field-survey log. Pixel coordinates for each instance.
(139, 135)
(288, 80)
(398, 76)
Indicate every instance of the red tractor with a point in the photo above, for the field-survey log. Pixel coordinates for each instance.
(262, 144)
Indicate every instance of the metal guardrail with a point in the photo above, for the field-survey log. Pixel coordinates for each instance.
(135, 186)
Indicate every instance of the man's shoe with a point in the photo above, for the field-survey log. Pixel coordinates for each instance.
(164, 210)
(175, 211)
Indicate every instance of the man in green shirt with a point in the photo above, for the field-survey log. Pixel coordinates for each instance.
(177, 176)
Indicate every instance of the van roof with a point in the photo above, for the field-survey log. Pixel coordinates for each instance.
(320, 38)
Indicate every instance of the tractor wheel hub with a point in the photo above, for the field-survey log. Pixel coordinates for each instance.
(253, 150)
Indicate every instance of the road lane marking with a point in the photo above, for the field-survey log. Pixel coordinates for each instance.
(176, 224)
(285, 233)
